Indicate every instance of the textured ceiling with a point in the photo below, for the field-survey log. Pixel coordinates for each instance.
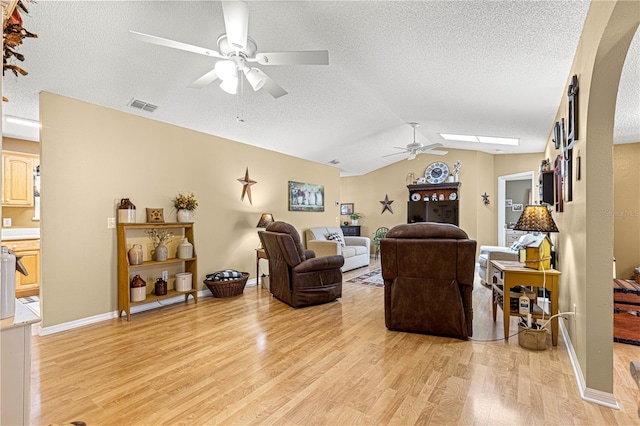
(490, 68)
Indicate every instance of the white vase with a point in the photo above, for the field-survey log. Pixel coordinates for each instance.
(184, 215)
(185, 249)
(354, 222)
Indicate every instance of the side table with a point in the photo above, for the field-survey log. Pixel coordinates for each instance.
(260, 254)
(512, 274)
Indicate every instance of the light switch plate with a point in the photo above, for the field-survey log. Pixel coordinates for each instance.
(6, 221)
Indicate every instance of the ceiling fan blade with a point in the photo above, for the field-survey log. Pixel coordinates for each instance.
(236, 21)
(272, 87)
(395, 153)
(175, 44)
(205, 80)
(430, 146)
(306, 57)
(434, 152)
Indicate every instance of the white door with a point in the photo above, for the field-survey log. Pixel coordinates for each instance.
(523, 193)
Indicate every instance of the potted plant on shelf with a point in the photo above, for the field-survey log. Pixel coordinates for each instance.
(185, 204)
(354, 218)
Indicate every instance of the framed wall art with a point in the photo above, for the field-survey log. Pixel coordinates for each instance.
(306, 197)
(346, 209)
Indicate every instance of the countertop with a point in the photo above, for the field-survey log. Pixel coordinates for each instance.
(23, 316)
(10, 234)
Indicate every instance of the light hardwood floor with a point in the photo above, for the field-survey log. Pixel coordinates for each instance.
(255, 360)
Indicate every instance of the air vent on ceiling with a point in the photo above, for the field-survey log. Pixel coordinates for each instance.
(334, 162)
(145, 106)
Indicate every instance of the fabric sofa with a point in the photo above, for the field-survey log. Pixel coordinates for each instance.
(489, 253)
(356, 250)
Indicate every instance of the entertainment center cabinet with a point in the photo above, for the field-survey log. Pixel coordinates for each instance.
(437, 202)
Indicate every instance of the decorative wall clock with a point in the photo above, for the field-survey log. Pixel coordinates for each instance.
(436, 172)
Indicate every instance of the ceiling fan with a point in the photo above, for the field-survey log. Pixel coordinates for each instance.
(416, 148)
(236, 54)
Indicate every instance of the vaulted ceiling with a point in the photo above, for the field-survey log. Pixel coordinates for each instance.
(489, 68)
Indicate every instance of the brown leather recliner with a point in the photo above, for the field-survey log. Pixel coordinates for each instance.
(428, 271)
(296, 276)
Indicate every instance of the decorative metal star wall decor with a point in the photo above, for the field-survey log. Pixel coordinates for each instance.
(386, 204)
(246, 186)
(485, 198)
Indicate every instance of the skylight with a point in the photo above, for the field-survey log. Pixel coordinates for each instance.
(481, 139)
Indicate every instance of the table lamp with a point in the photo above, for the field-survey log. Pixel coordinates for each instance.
(265, 220)
(537, 251)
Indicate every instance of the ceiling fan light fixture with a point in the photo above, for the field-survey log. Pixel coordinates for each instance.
(255, 78)
(412, 155)
(230, 85)
(226, 69)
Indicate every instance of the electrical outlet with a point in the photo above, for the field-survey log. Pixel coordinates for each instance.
(111, 222)
(6, 222)
(165, 275)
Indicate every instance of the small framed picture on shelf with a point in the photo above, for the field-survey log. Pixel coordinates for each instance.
(346, 209)
(155, 215)
(508, 202)
(517, 207)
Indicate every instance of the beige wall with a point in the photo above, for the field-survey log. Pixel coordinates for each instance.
(21, 217)
(92, 156)
(476, 176)
(585, 243)
(626, 208)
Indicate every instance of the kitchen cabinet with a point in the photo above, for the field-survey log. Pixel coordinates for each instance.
(17, 178)
(28, 285)
(15, 366)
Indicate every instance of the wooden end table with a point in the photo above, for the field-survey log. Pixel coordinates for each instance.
(512, 274)
(260, 254)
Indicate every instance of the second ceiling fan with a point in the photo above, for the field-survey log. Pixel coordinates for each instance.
(238, 54)
(415, 148)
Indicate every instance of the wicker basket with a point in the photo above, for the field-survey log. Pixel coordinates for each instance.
(228, 288)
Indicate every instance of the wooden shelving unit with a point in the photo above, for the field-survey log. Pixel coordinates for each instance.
(424, 209)
(127, 271)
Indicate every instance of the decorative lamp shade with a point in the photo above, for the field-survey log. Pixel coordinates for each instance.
(265, 220)
(536, 218)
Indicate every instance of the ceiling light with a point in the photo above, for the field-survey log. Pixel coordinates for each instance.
(464, 138)
(230, 85)
(226, 69)
(21, 121)
(500, 141)
(254, 77)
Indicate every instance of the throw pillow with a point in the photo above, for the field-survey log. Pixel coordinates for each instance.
(334, 236)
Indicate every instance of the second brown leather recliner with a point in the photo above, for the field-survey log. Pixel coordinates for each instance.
(296, 276)
(428, 270)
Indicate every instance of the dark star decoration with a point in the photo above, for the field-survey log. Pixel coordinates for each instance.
(386, 204)
(246, 186)
(485, 198)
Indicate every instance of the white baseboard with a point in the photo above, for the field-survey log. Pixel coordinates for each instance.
(44, 331)
(592, 395)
